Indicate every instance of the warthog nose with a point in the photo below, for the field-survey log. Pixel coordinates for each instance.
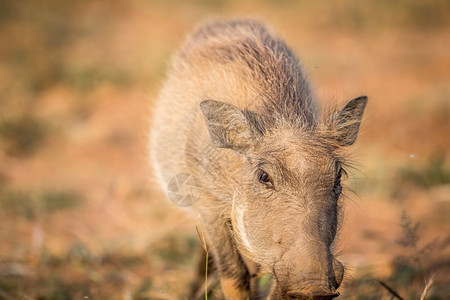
(313, 296)
(338, 272)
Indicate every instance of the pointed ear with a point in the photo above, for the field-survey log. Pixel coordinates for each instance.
(227, 125)
(346, 123)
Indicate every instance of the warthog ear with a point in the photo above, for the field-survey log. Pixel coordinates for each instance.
(346, 123)
(227, 125)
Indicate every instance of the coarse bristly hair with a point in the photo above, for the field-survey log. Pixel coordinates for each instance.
(283, 93)
(282, 83)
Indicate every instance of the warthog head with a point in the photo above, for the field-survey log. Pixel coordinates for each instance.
(286, 209)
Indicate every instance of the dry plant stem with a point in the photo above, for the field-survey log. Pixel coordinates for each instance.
(212, 282)
(419, 263)
(206, 277)
(201, 235)
(390, 290)
(428, 286)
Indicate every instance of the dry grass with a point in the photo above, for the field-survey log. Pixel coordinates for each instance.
(428, 286)
(204, 244)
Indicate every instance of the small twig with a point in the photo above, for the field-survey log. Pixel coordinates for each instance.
(428, 286)
(206, 277)
(212, 282)
(202, 238)
(390, 290)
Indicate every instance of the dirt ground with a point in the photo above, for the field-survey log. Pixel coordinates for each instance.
(81, 216)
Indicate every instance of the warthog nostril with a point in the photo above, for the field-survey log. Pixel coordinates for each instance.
(313, 296)
(338, 272)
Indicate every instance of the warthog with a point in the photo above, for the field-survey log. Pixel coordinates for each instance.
(238, 116)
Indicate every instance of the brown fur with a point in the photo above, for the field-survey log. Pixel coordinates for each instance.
(237, 105)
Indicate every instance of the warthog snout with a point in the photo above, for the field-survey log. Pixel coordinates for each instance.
(317, 289)
(314, 291)
(308, 272)
(316, 295)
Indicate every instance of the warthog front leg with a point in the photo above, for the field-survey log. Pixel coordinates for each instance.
(233, 273)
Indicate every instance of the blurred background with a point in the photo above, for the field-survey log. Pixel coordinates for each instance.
(81, 217)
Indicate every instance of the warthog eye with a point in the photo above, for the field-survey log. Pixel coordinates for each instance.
(337, 189)
(264, 178)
